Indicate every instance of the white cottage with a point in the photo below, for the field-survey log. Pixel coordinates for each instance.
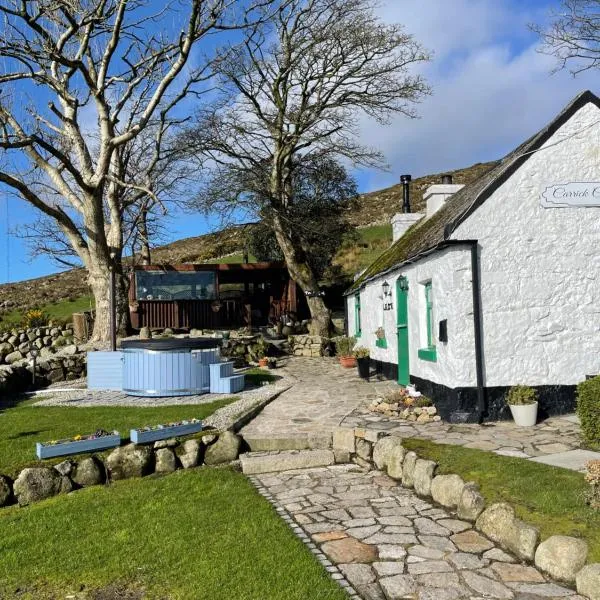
(499, 283)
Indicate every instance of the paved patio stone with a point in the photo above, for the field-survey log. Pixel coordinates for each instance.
(397, 566)
(572, 459)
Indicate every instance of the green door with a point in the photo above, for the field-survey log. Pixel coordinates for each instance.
(402, 325)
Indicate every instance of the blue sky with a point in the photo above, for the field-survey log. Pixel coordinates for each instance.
(492, 89)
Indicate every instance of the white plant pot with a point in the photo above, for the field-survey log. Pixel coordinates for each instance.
(525, 415)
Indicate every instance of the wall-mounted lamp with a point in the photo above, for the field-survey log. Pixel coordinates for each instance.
(385, 286)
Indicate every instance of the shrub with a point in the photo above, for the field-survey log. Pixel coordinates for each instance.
(361, 352)
(344, 346)
(422, 401)
(520, 395)
(35, 317)
(588, 410)
(593, 478)
(396, 396)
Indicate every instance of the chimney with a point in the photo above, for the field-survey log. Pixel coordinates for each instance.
(437, 195)
(405, 180)
(402, 221)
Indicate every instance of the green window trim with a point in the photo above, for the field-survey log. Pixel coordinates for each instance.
(357, 316)
(381, 343)
(429, 354)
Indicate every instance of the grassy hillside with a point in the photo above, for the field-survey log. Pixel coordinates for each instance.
(64, 293)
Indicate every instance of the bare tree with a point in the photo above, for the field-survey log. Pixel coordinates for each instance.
(297, 89)
(573, 35)
(80, 81)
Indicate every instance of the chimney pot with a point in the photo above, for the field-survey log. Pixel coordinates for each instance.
(405, 180)
(447, 179)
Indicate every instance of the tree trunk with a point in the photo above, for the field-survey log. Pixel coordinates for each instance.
(99, 279)
(302, 274)
(145, 243)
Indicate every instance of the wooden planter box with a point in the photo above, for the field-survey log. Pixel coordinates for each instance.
(139, 436)
(77, 446)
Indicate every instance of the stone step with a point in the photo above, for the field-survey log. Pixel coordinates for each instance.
(254, 463)
(287, 441)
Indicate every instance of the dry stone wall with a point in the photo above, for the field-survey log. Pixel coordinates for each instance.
(59, 358)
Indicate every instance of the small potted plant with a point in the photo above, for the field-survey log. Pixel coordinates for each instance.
(343, 350)
(261, 353)
(363, 361)
(523, 404)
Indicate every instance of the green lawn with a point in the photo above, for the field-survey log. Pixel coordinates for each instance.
(22, 425)
(550, 498)
(60, 312)
(203, 534)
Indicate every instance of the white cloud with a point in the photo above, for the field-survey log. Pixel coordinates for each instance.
(492, 89)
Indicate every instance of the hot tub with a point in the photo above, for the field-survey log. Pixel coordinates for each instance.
(168, 367)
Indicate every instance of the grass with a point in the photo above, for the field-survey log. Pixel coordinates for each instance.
(198, 535)
(549, 498)
(22, 425)
(59, 312)
(371, 243)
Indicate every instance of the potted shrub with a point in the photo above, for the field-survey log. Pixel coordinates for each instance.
(523, 404)
(260, 350)
(343, 350)
(363, 361)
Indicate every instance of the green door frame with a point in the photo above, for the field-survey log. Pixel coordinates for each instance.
(402, 328)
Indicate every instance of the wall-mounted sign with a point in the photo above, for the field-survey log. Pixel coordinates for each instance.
(388, 306)
(575, 194)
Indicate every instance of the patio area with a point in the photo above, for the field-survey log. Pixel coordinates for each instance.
(324, 396)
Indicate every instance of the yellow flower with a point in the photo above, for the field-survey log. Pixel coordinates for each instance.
(77, 438)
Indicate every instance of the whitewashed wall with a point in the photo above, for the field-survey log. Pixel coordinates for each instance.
(450, 274)
(541, 267)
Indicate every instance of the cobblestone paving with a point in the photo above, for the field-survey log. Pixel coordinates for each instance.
(325, 396)
(322, 396)
(383, 542)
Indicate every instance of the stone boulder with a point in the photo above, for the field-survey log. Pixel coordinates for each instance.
(13, 357)
(224, 450)
(130, 461)
(423, 476)
(190, 455)
(65, 467)
(89, 471)
(6, 490)
(447, 490)
(383, 449)
(395, 462)
(166, 461)
(408, 469)
(364, 449)
(588, 581)
(561, 557)
(499, 523)
(471, 503)
(38, 483)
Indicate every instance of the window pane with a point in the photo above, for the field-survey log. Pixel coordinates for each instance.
(175, 285)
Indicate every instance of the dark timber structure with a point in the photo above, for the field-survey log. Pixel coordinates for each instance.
(212, 296)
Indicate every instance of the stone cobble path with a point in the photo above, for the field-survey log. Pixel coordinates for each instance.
(383, 542)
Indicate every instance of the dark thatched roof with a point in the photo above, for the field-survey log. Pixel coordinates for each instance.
(429, 234)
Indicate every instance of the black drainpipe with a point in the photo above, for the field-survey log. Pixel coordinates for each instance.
(478, 329)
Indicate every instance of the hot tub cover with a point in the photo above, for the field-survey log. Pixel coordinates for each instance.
(170, 344)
